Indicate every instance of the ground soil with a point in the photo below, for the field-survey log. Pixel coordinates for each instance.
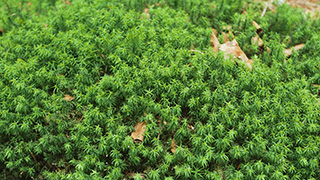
(309, 6)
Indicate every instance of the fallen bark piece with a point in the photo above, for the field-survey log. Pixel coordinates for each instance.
(139, 128)
(288, 52)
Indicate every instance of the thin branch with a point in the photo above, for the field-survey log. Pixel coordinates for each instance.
(267, 6)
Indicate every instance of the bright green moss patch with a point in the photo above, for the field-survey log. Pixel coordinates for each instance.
(76, 77)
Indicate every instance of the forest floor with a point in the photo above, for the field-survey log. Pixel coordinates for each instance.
(309, 6)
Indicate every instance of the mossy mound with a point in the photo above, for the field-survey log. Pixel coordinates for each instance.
(77, 76)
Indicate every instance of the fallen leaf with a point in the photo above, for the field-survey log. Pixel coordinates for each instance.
(68, 98)
(316, 85)
(67, 2)
(190, 127)
(227, 28)
(288, 52)
(257, 40)
(249, 64)
(146, 12)
(214, 41)
(132, 175)
(139, 128)
(173, 146)
(231, 48)
(258, 27)
(225, 37)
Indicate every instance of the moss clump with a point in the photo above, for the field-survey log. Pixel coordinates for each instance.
(76, 76)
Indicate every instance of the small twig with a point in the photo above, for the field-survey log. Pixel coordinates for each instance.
(196, 51)
(34, 157)
(267, 6)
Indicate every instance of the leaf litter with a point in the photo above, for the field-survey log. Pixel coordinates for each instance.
(139, 128)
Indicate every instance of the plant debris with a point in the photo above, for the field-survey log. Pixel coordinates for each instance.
(139, 128)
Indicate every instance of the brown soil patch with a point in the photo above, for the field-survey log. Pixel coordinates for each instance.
(309, 6)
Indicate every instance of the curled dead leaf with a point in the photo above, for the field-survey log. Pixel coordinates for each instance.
(214, 41)
(257, 41)
(288, 52)
(132, 175)
(139, 128)
(173, 146)
(146, 12)
(231, 48)
(68, 98)
(249, 64)
(258, 27)
(67, 2)
(225, 37)
(190, 127)
(316, 85)
(228, 28)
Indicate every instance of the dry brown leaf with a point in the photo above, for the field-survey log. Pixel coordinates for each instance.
(227, 28)
(316, 85)
(68, 98)
(309, 6)
(258, 27)
(190, 127)
(288, 52)
(249, 63)
(257, 41)
(225, 37)
(231, 48)
(67, 2)
(214, 41)
(146, 12)
(132, 175)
(173, 146)
(139, 128)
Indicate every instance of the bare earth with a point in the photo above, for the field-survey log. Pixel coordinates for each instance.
(309, 6)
